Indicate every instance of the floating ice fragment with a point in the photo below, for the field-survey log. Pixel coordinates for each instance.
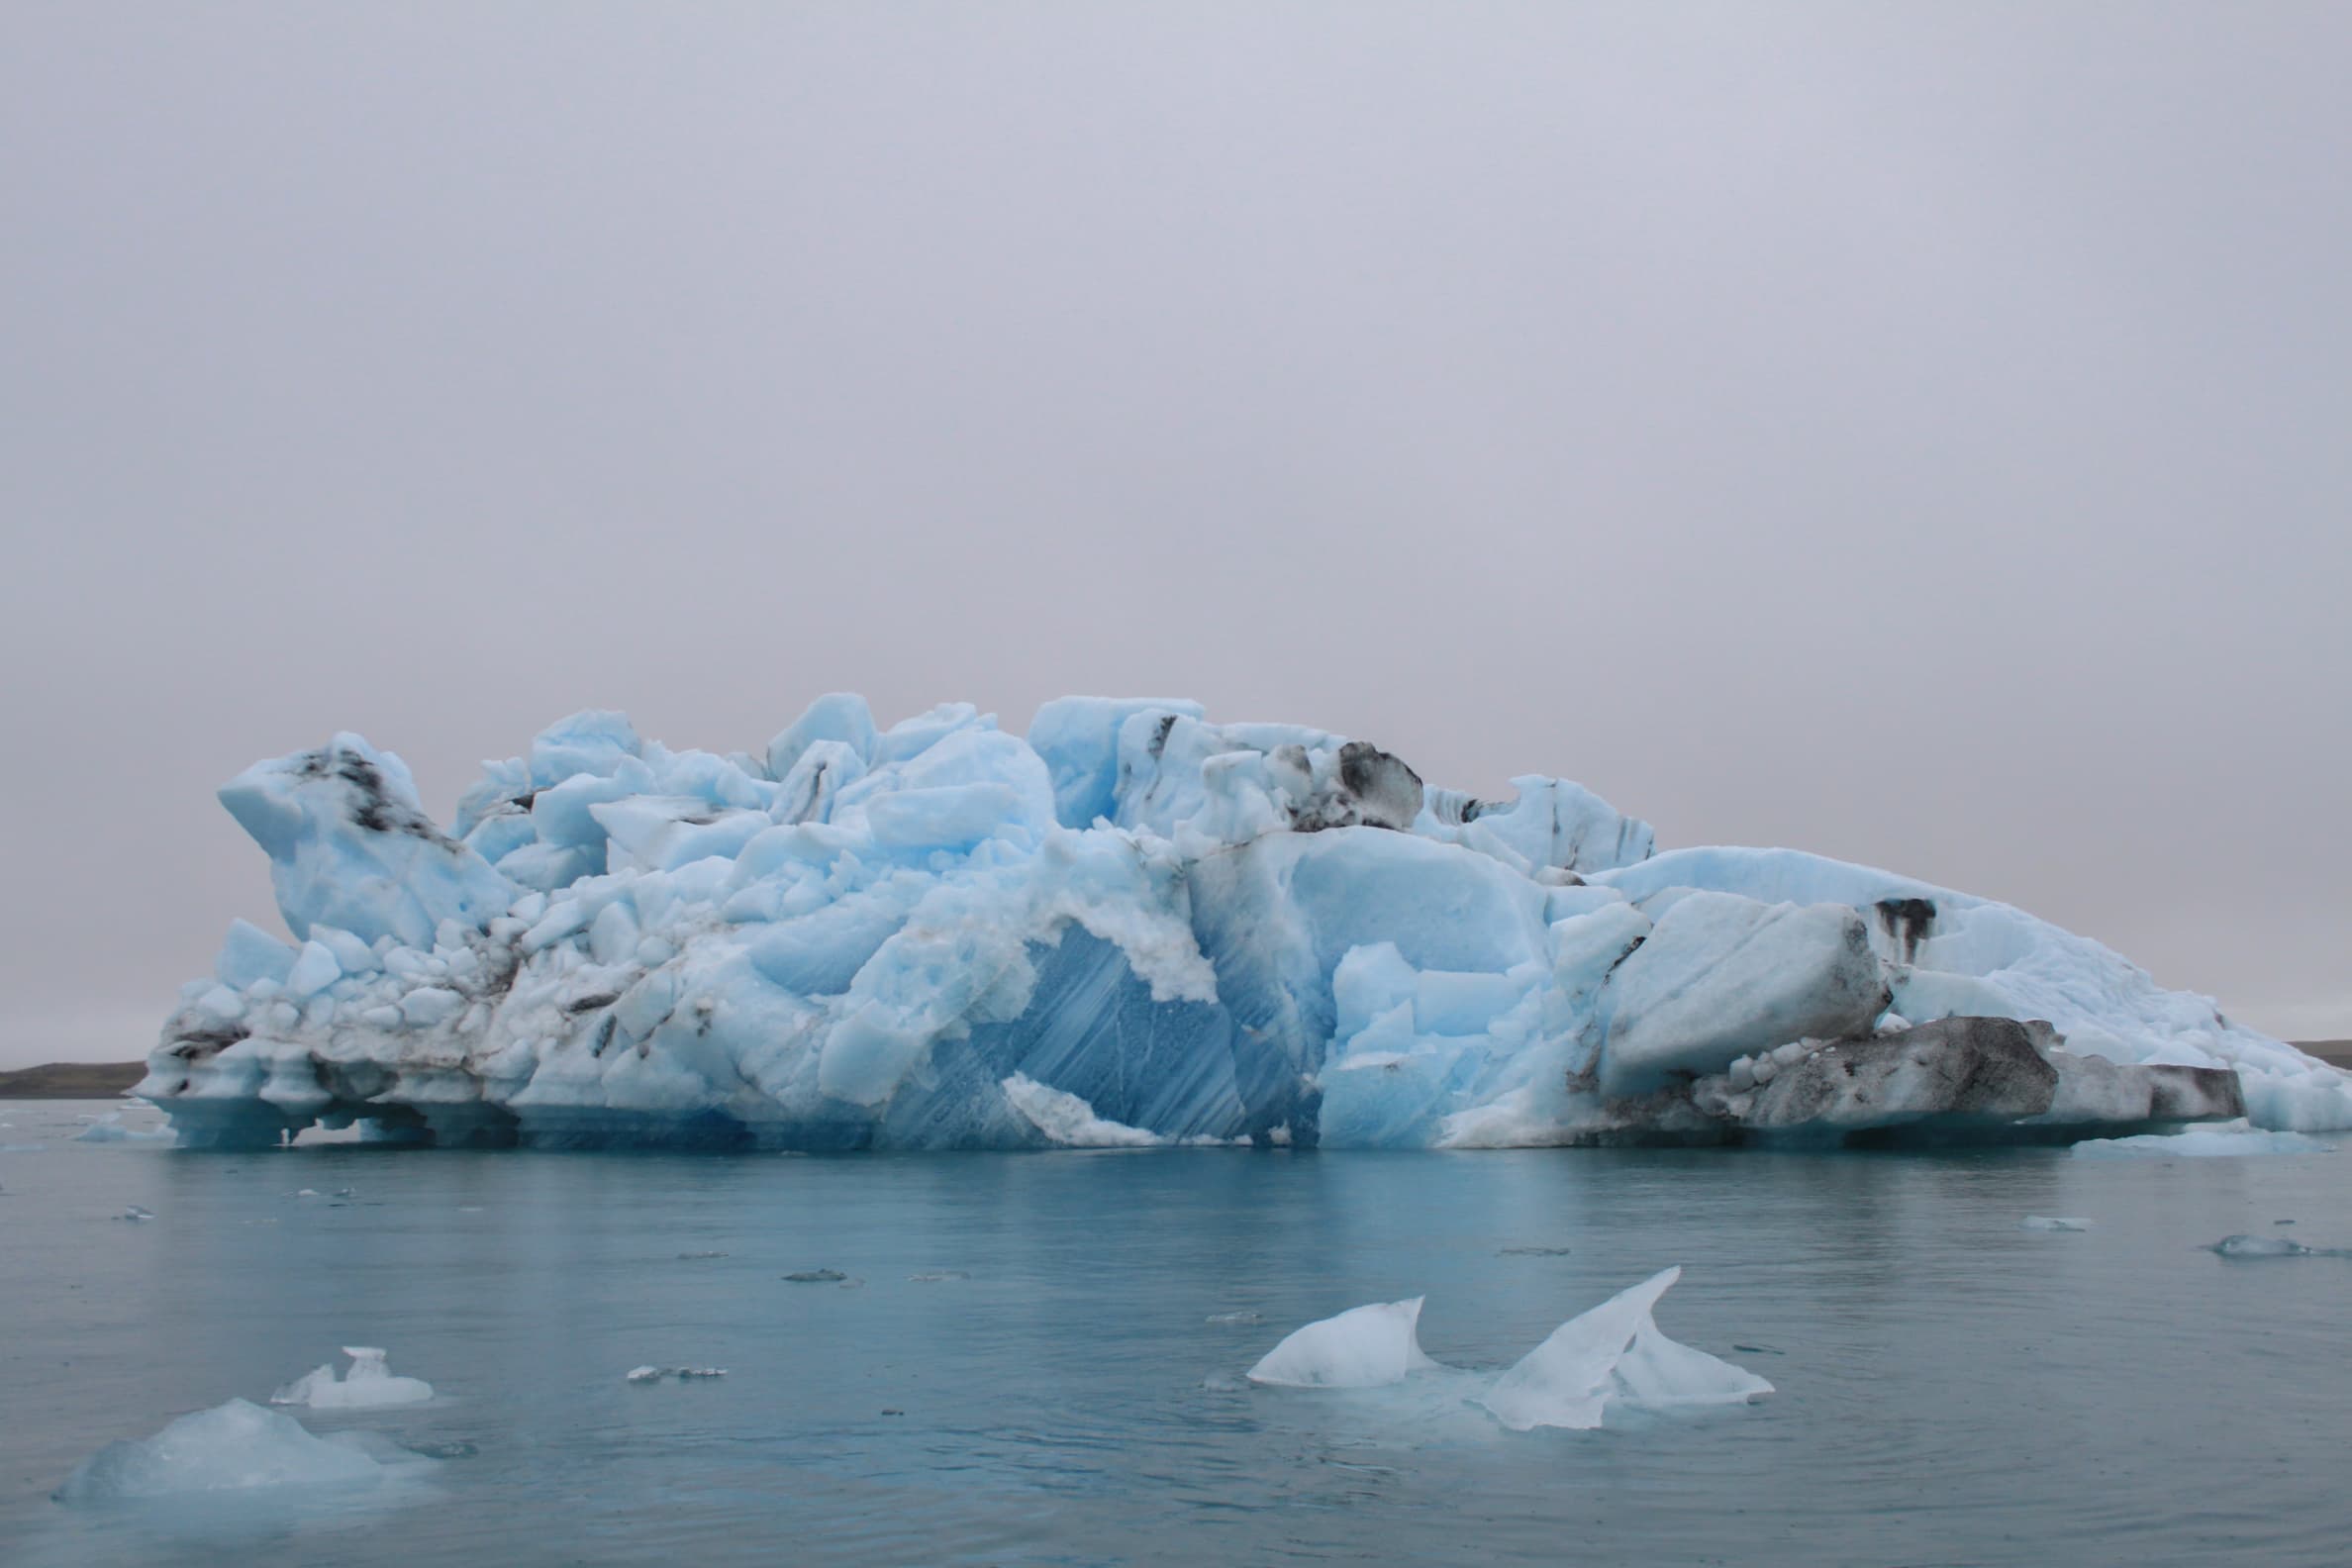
(2052, 1222)
(234, 1447)
(136, 1213)
(1615, 1355)
(654, 1374)
(1362, 1347)
(109, 1129)
(938, 1276)
(816, 1276)
(1237, 1317)
(1534, 1251)
(367, 1386)
(2202, 1142)
(692, 1257)
(2254, 1247)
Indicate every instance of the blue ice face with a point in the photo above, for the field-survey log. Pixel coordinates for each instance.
(1131, 925)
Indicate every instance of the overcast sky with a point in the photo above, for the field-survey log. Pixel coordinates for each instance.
(1914, 433)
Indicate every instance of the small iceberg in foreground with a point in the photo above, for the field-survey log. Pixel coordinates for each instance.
(1616, 1355)
(2203, 1143)
(1613, 1357)
(1362, 1347)
(234, 1447)
(367, 1386)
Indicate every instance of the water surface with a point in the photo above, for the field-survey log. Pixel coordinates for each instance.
(1952, 1389)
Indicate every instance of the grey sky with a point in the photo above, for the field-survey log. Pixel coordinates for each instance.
(1913, 433)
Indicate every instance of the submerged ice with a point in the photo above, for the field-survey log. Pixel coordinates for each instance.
(1130, 927)
(237, 1447)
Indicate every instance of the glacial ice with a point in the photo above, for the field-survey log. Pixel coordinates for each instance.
(1133, 926)
(107, 1128)
(1615, 1354)
(230, 1449)
(368, 1385)
(1612, 1357)
(1362, 1347)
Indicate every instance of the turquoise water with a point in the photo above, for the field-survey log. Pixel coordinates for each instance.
(1951, 1389)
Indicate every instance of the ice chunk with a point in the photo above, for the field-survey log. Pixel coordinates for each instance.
(234, 1447)
(2052, 1223)
(2252, 1246)
(251, 955)
(108, 1128)
(1362, 1347)
(2202, 1142)
(682, 1374)
(1066, 1120)
(367, 1386)
(1615, 1354)
(1722, 976)
(136, 1214)
(817, 1276)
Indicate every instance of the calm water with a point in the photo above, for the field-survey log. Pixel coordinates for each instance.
(1952, 1389)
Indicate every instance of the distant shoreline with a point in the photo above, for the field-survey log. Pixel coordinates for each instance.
(70, 1080)
(106, 1080)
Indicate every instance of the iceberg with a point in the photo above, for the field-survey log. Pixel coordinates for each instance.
(1616, 1355)
(1362, 1347)
(1130, 926)
(237, 1447)
(369, 1385)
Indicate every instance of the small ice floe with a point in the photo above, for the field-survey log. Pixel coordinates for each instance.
(936, 1276)
(367, 1386)
(681, 1374)
(1362, 1347)
(816, 1276)
(697, 1258)
(2052, 1222)
(2254, 1247)
(235, 1447)
(1237, 1317)
(2221, 1140)
(1533, 1251)
(304, 1192)
(135, 1213)
(1613, 1357)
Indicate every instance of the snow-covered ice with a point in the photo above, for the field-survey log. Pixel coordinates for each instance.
(1133, 926)
(234, 1447)
(368, 1385)
(2202, 1142)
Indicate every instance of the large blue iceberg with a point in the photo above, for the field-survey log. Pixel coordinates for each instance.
(1133, 926)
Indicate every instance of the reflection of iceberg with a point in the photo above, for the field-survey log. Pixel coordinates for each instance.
(1362, 1347)
(234, 1447)
(1129, 924)
(367, 1386)
(1615, 1356)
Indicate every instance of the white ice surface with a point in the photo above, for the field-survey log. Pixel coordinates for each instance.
(367, 1386)
(1616, 1355)
(1362, 1347)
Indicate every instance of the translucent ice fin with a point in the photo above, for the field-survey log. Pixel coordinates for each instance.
(1362, 1347)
